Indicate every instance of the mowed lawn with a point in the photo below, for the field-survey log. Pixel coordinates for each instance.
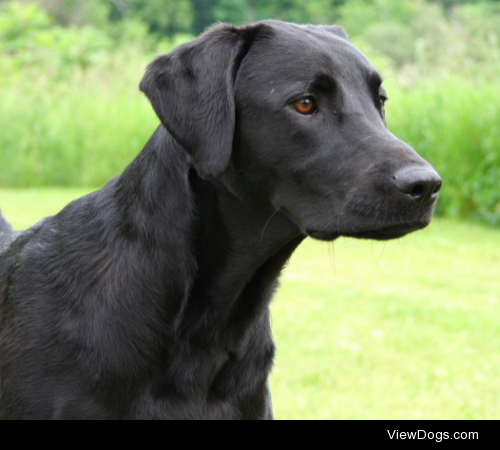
(401, 330)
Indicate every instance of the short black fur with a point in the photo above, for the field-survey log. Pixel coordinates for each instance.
(149, 299)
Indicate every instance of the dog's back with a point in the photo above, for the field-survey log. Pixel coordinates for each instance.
(7, 235)
(4, 225)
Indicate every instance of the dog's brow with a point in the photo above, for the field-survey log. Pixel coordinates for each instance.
(375, 79)
(323, 82)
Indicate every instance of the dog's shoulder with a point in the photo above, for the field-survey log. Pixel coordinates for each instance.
(12, 245)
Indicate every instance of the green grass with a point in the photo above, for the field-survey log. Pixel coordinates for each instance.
(408, 329)
(403, 330)
(25, 207)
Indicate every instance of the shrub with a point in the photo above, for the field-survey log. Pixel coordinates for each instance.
(455, 124)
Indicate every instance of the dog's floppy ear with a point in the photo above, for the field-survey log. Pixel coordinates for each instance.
(192, 91)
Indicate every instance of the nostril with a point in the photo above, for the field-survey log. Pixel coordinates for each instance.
(437, 188)
(418, 191)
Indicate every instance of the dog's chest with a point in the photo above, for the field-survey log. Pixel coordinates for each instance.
(214, 384)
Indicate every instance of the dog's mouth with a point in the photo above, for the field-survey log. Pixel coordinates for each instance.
(323, 235)
(389, 233)
(381, 234)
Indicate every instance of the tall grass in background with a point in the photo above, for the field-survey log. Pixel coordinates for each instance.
(455, 124)
(77, 131)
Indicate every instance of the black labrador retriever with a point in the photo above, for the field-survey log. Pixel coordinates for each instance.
(149, 299)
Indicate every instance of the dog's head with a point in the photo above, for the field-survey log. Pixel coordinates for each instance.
(292, 118)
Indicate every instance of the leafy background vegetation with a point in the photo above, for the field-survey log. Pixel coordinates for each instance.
(71, 113)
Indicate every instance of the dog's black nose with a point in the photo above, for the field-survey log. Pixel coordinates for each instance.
(420, 184)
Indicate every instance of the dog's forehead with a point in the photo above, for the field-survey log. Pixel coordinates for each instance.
(303, 51)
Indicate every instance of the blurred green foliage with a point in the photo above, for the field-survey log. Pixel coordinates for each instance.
(71, 113)
(27, 38)
(455, 126)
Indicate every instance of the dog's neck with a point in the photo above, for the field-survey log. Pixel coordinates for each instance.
(242, 252)
(233, 253)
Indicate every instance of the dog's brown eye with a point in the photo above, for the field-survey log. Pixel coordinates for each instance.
(383, 101)
(306, 106)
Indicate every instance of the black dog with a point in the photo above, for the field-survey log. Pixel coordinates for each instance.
(149, 299)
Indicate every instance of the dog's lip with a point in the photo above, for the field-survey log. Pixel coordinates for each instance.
(323, 235)
(382, 234)
(388, 233)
